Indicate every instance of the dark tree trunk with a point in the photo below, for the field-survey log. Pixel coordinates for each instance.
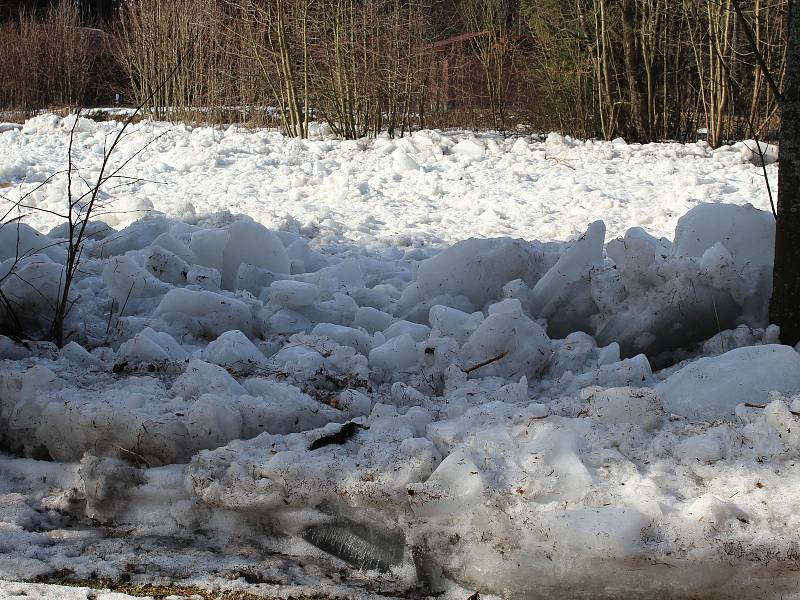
(785, 303)
(634, 71)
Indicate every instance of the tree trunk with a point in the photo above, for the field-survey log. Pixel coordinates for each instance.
(633, 71)
(785, 303)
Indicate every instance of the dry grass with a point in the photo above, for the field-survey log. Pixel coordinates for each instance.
(164, 591)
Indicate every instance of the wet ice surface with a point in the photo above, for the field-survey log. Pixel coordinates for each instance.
(327, 404)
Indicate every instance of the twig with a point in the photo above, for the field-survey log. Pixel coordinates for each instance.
(77, 226)
(134, 454)
(757, 51)
(122, 310)
(763, 166)
(560, 161)
(484, 363)
(725, 66)
(719, 327)
(110, 315)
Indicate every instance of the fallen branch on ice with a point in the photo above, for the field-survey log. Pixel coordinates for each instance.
(484, 363)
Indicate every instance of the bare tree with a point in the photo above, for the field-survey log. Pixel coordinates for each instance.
(275, 36)
(645, 69)
(79, 210)
(151, 39)
(634, 71)
(491, 19)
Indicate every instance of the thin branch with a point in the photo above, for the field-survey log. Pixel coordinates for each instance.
(494, 359)
(757, 51)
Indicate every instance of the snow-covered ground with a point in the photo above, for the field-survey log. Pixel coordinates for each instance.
(429, 187)
(441, 364)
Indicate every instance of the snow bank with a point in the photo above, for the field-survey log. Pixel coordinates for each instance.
(45, 412)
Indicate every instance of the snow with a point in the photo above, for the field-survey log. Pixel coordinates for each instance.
(249, 243)
(32, 591)
(9, 127)
(507, 332)
(378, 368)
(758, 153)
(717, 270)
(712, 388)
(638, 406)
(352, 189)
(235, 352)
(475, 270)
(563, 294)
(748, 234)
(203, 313)
(293, 294)
(397, 353)
(22, 240)
(148, 347)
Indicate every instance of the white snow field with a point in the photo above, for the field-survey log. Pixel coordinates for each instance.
(420, 367)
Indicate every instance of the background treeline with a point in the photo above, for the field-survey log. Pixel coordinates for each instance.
(642, 69)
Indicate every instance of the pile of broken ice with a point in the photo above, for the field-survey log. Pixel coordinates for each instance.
(487, 414)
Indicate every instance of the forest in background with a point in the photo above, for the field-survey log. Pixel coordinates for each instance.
(645, 70)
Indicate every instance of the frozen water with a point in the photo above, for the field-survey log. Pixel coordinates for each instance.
(747, 233)
(711, 388)
(478, 270)
(18, 240)
(254, 244)
(758, 153)
(520, 346)
(204, 313)
(235, 352)
(563, 295)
